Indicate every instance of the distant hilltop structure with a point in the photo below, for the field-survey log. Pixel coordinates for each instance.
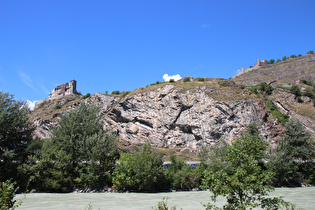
(258, 65)
(64, 89)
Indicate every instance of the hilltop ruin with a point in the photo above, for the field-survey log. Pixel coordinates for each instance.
(64, 89)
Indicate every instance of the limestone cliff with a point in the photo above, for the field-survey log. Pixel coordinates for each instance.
(181, 115)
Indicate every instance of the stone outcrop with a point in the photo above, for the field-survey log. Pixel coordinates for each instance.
(168, 117)
(173, 116)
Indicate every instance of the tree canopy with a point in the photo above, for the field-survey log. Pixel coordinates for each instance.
(15, 135)
(245, 183)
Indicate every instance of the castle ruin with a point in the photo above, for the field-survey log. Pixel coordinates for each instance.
(258, 65)
(64, 89)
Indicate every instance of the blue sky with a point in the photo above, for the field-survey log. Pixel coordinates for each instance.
(125, 44)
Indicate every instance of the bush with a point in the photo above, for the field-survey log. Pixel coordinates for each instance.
(284, 58)
(283, 118)
(87, 95)
(116, 92)
(310, 92)
(296, 90)
(272, 61)
(311, 52)
(278, 60)
(7, 194)
(299, 55)
(264, 87)
(299, 99)
(293, 56)
(125, 93)
(222, 83)
(172, 81)
(186, 79)
(201, 79)
(58, 106)
(307, 82)
(142, 171)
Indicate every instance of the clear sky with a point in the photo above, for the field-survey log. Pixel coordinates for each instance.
(109, 45)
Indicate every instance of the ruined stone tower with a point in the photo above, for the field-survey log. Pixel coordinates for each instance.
(64, 89)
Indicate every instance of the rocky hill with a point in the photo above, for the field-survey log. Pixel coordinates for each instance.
(193, 112)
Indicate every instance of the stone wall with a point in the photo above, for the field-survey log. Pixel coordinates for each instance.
(64, 89)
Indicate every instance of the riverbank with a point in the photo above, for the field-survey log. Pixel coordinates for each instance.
(303, 197)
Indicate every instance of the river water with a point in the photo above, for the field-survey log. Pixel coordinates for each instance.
(302, 197)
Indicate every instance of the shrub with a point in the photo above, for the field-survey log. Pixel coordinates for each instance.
(172, 80)
(283, 118)
(222, 83)
(125, 93)
(264, 87)
(58, 106)
(296, 90)
(186, 79)
(201, 79)
(284, 58)
(311, 52)
(307, 82)
(116, 92)
(299, 99)
(272, 61)
(293, 56)
(278, 60)
(299, 55)
(7, 194)
(309, 92)
(87, 95)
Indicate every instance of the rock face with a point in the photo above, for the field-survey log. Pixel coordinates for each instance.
(187, 115)
(173, 115)
(168, 117)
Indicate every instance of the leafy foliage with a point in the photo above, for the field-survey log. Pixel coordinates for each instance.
(7, 194)
(271, 61)
(296, 90)
(283, 118)
(58, 106)
(116, 92)
(15, 136)
(162, 205)
(86, 96)
(80, 154)
(186, 79)
(142, 171)
(292, 161)
(311, 52)
(246, 183)
(201, 79)
(172, 81)
(180, 175)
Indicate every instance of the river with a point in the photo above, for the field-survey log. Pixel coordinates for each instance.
(302, 197)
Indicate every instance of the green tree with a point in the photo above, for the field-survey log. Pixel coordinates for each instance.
(15, 136)
(7, 194)
(272, 61)
(278, 60)
(180, 175)
(284, 58)
(246, 183)
(142, 171)
(293, 56)
(292, 160)
(80, 153)
(311, 52)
